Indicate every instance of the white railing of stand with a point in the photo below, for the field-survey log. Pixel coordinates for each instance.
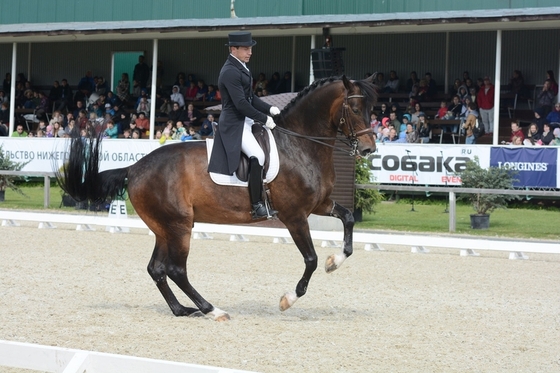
(65, 360)
(371, 240)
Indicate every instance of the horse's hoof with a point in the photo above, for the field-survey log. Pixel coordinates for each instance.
(219, 315)
(334, 262)
(287, 300)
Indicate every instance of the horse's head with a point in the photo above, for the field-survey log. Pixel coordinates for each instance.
(359, 99)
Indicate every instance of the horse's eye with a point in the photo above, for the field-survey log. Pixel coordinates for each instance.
(356, 111)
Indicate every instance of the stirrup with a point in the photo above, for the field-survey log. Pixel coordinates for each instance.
(260, 210)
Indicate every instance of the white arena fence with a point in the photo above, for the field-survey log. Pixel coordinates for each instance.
(371, 240)
(64, 360)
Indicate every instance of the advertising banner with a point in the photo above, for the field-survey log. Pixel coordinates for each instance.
(424, 164)
(536, 167)
(42, 152)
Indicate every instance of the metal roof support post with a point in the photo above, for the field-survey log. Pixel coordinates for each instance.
(446, 81)
(293, 64)
(497, 85)
(557, 96)
(13, 90)
(153, 91)
(452, 212)
(311, 75)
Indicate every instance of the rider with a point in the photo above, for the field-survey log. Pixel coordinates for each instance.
(239, 111)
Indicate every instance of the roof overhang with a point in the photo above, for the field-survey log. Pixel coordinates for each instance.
(445, 21)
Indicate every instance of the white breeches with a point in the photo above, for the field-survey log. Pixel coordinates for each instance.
(249, 144)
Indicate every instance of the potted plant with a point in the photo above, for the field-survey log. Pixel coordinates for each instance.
(475, 176)
(364, 199)
(7, 181)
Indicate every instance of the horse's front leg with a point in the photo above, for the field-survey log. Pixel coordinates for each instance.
(335, 261)
(299, 230)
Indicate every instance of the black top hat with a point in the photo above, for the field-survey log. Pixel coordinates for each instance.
(240, 39)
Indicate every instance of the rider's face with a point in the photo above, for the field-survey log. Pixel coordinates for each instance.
(242, 53)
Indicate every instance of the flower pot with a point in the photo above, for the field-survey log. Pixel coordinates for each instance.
(357, 215)
(480, 221)
(2, 195)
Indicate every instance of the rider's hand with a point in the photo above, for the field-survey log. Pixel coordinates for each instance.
(274, 110)
(270, 123)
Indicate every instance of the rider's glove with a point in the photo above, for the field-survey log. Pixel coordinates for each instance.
(274, 110)
(270, 123)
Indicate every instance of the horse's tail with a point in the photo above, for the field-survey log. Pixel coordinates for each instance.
(80, 176)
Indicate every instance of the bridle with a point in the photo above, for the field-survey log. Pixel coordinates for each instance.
(351, 139)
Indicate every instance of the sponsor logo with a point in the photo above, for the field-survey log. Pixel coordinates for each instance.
(413, 163)
(524, 166)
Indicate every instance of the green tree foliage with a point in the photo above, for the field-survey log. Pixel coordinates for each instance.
(365, 199)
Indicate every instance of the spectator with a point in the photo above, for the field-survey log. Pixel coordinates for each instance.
(177, 114)
(177, 97)
(143, 106)
(260, 84)
(165, 135)
(191, 92)
(455, 87)
(516, 132)
(191, 115)
(166, 107)
(416, 113)
(101, 86)
(485, 101)
(141, 72)
(273, 83)
(549, 76)
(539, 118)
(40, 133)
(113, 99)
(123, 87)
(442, 111)
(57, 129)
(111, 131)
(5, 113)
(202, 90)
(136, 134)
(207, 128)
(136, 91)
(142, 123)
(373, 122)
(392, 85)
(86, 84)
(547, 134)
(517, 140)
(517, 84)
(394, 121)
(380, 81)
(534, 136)
(554, 116)
(455, 108)
(384, 112)
(545, 98)
(411, 134)
(556, 141)
(63, 102)
(432, 86)
(179, 131)
(285, 83)
(423, 128)
(56, 92)
(70, 127)
(211, 94)
(422, 91)
(19, 132)
(463, 93)
(412, 81)
(82, 119)
(182, 85)
(470, 85)
(470, 124)
(7, 84)
(44, 105)
(127, 134)
(191, 134)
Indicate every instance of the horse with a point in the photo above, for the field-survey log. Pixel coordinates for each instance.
(170, 197)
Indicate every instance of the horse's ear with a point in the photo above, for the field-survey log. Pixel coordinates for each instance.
(371, 78)
(347, 83)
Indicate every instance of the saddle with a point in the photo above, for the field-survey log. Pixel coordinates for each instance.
(264, 141)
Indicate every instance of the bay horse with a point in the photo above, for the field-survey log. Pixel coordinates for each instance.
(170, 198)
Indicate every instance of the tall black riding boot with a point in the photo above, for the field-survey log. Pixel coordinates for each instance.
(256, 190)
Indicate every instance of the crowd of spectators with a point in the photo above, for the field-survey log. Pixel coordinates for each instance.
(470, 111)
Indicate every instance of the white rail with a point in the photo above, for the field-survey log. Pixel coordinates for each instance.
(372, 240)
(64, 360)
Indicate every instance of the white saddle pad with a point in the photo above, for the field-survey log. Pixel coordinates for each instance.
(272, 172)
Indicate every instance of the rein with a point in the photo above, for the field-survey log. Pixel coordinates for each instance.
(351, 140)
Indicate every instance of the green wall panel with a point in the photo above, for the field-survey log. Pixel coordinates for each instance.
(43, 11)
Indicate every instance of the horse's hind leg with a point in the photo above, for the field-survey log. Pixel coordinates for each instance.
(176, 269)
(157, 268)
(335, 210)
